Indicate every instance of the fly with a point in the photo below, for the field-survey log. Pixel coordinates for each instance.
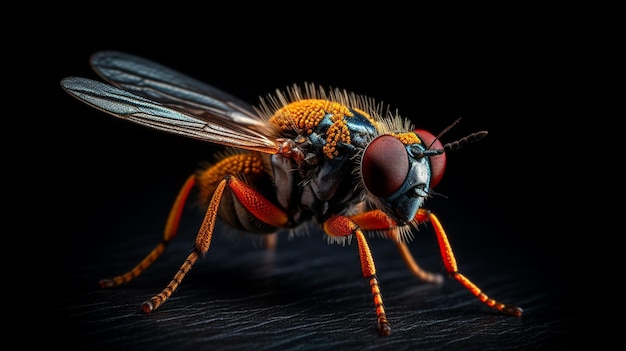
(304, 154)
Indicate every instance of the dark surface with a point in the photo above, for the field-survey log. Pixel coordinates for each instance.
(309, 295)
(116, 182)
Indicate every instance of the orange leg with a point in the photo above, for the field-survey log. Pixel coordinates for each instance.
(254, 203)
(343, 226)
(269, 241)
(171, 228)
(378, 220)
(451, 266)
(420, 273)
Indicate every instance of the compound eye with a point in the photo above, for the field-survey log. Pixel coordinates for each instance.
(438, 162)
(385, 165)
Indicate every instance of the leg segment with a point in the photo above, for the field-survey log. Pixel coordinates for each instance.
(417, 271)
(451, 266)
(171, 228)
(378, 220)
(344, 226)
(254, 202)
(203, 240)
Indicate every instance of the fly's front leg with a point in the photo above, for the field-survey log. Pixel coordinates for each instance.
(257, 205)
(343, 227)
(451, 266)
(378, 220)
(171, 228)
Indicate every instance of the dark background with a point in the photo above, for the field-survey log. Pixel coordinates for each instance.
(114, 183)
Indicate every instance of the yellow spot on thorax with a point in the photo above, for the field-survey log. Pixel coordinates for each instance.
(306, 115)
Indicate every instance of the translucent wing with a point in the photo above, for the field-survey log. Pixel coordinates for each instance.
(159, 83)
(138, 109)
(151, 94)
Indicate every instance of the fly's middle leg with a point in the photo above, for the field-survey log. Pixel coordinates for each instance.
(171, 228)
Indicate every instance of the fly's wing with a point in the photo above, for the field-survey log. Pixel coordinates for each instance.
(148, 93)
(159, 83)
(132, 107)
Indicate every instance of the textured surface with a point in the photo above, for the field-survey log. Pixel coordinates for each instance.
(306, 295)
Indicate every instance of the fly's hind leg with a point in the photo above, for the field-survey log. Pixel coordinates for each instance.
(252, 202)
(171, 228)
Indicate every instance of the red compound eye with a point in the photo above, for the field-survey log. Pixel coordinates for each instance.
(437, 163)
(385, 165)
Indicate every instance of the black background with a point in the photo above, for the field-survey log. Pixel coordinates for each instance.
(114, 183)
